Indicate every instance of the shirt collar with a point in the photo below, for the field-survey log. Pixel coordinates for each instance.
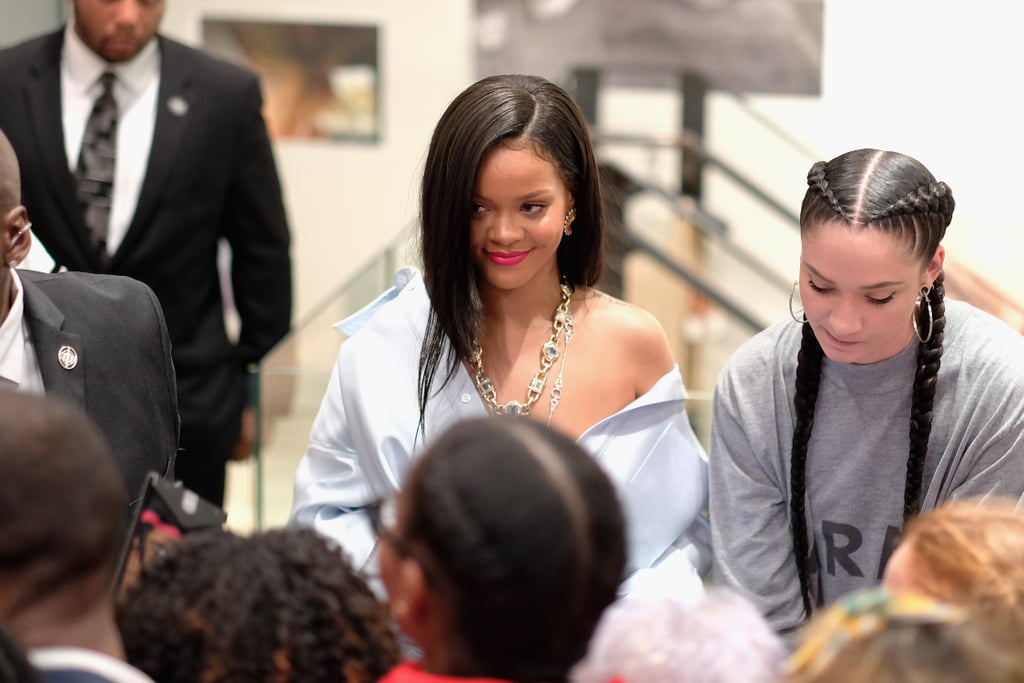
(85, 67)
(12, 336)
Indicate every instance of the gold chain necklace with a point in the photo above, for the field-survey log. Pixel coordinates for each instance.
(548, 355)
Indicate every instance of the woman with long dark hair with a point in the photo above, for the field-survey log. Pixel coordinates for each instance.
(880, 399)
(505, 320)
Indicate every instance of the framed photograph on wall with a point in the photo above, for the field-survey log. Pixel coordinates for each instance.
(320, 81)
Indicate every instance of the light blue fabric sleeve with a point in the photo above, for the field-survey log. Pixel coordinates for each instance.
(660, 469)
(329, 483)
(347, 463)
(353, 323)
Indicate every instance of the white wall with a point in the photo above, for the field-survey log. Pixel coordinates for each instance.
(936, 79)
(346, 201)
(22, 19)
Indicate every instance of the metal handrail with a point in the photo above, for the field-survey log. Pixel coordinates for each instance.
(693, 213)
(688, 142)
(702, 284)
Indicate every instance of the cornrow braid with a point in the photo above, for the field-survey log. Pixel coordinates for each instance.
(929, 357)
(480, 571)
(934, 198)
(521, 534)
(453, 527)
(817, 181)
(808, 378)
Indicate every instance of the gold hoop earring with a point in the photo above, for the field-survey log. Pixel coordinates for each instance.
(567, 223)
(801, 318)
(922, 301)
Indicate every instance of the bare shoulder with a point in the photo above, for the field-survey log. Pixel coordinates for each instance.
(630, 333)
(629, 322)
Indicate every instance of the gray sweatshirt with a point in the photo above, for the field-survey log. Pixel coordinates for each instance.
(857, 454)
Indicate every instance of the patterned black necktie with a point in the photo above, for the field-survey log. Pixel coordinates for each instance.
(95, 171)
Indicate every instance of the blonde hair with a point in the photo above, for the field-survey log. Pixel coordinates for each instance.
(922, 653)
(971, 552)
(884, 636)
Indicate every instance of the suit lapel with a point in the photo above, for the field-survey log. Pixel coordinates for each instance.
(43, 99)
(45, 325)
(173, 103)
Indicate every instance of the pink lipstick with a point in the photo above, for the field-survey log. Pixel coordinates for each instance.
(507, 258)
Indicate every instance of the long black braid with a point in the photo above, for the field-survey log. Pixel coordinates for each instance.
(808, 377)
(918, 217)
(929, 357)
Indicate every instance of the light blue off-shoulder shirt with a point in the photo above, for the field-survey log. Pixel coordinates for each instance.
(364, 438)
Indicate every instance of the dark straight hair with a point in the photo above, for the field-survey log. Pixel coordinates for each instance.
(870, 189)
(522, 112)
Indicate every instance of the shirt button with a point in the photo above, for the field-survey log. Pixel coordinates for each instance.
(465, 398)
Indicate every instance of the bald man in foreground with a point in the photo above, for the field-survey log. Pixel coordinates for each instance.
(98, 341)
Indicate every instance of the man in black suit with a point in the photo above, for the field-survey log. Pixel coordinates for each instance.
(193, 167)
(98, 341)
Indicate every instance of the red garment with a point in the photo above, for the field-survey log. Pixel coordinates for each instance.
(409, 672)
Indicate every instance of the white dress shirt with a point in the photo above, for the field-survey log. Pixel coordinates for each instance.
(136, 88)
(19, 367)
(365, 437)
(87, 661)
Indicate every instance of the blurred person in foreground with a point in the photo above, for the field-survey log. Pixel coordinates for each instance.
(883, 636)
(967, 552)
(274, 606)
(717, 638)
(61, 528)
(500, 554)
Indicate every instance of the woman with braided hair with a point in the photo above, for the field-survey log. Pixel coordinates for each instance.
(500, 554)
(880, 399)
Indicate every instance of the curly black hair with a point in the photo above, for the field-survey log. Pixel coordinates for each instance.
(279, 606)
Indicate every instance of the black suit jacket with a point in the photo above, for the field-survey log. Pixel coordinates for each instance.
(210, 175)
(122, 373)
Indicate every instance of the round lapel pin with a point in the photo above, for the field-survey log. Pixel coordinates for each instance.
(177, 105)
(67, 357)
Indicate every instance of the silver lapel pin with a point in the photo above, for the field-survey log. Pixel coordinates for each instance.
(177, 105)
(67, 357)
